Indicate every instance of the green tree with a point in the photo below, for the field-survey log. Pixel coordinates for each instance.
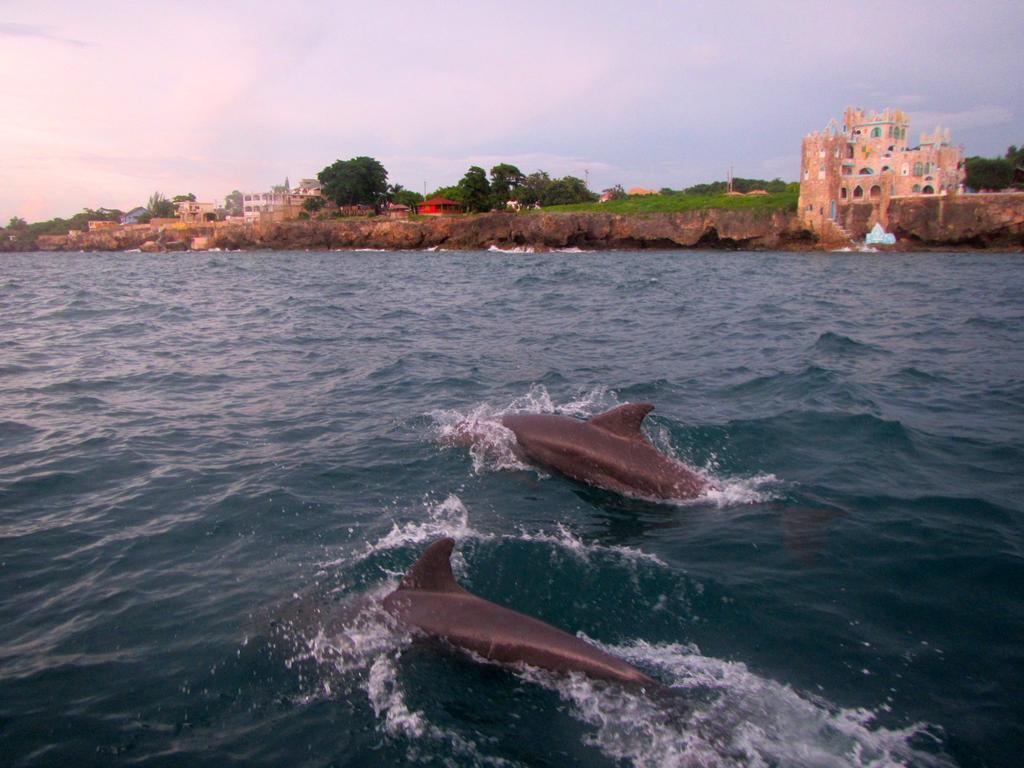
(312, 205)
(359, 181)
(399, 194)
(159, 207)
(1015, 155)
(189, 198)
(989, 173)
(566, 191)
(476, 190)
(533, 188)
(234, 203)
(17, 223)
(452, 193)
(505, 180)
(618, 193)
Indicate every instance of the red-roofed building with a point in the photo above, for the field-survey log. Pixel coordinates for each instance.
(438, 206)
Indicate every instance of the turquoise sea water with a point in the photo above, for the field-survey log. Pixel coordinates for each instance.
(205, 458)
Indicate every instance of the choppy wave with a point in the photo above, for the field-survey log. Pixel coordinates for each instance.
(715, 712)
(188, 438)
(727, 715)
(513, 249)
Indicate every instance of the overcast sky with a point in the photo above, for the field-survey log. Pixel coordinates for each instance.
(104, 102)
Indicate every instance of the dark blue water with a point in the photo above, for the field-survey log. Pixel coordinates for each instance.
(199, 450)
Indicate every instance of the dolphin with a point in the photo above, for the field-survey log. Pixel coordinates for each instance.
(607, 451)
(431, 601)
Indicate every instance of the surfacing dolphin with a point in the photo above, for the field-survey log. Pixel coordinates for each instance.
(431, 601)
(607, 451)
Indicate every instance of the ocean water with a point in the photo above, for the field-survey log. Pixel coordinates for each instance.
(212, 466)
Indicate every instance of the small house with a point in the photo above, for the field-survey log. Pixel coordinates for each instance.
(439, 206)
(398, 211)
(134, 215)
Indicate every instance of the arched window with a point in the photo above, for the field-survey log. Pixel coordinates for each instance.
(919, 169)
(867, 171)
(928, 189)
(858, 192)
(876, 192)
(886, 168)
(905, 170)
(843, 194)
(916, 189)
(876, 132)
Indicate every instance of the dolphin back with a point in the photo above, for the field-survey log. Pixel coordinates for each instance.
(431, 600)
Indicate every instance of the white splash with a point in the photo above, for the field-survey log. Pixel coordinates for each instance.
(726, 715)
(491, 444)
(583, 551)
(449, 518)
(728, 492)
(387, 698)
(514, 249)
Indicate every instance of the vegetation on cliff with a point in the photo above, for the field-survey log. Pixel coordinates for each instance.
(359, 181)
(996, 173)
(676, 202)
(508, 184)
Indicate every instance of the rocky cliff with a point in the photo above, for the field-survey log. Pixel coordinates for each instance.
(722, 229)
(541, 231)
(980, 221)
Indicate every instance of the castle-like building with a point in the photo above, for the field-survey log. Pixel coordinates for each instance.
(867, 160)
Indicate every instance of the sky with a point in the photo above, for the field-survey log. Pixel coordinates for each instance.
(104, 103)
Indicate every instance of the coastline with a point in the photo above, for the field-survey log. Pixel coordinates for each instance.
(925, 225)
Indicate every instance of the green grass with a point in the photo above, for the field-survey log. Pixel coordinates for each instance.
(775, 201)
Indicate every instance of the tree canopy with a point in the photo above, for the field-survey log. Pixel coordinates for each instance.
(505, 180)
(989, 173)
(59, 226)
(159, 206)
(233, 203)
(452, 193)
(359, 181)
(476, 190)
(399, 194)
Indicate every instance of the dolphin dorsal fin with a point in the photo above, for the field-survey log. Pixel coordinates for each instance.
(625, 420)
(433, 571)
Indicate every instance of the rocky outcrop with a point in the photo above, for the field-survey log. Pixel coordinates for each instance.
(983, 221)
(977, 221)
(993, 221)
(720, 229)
